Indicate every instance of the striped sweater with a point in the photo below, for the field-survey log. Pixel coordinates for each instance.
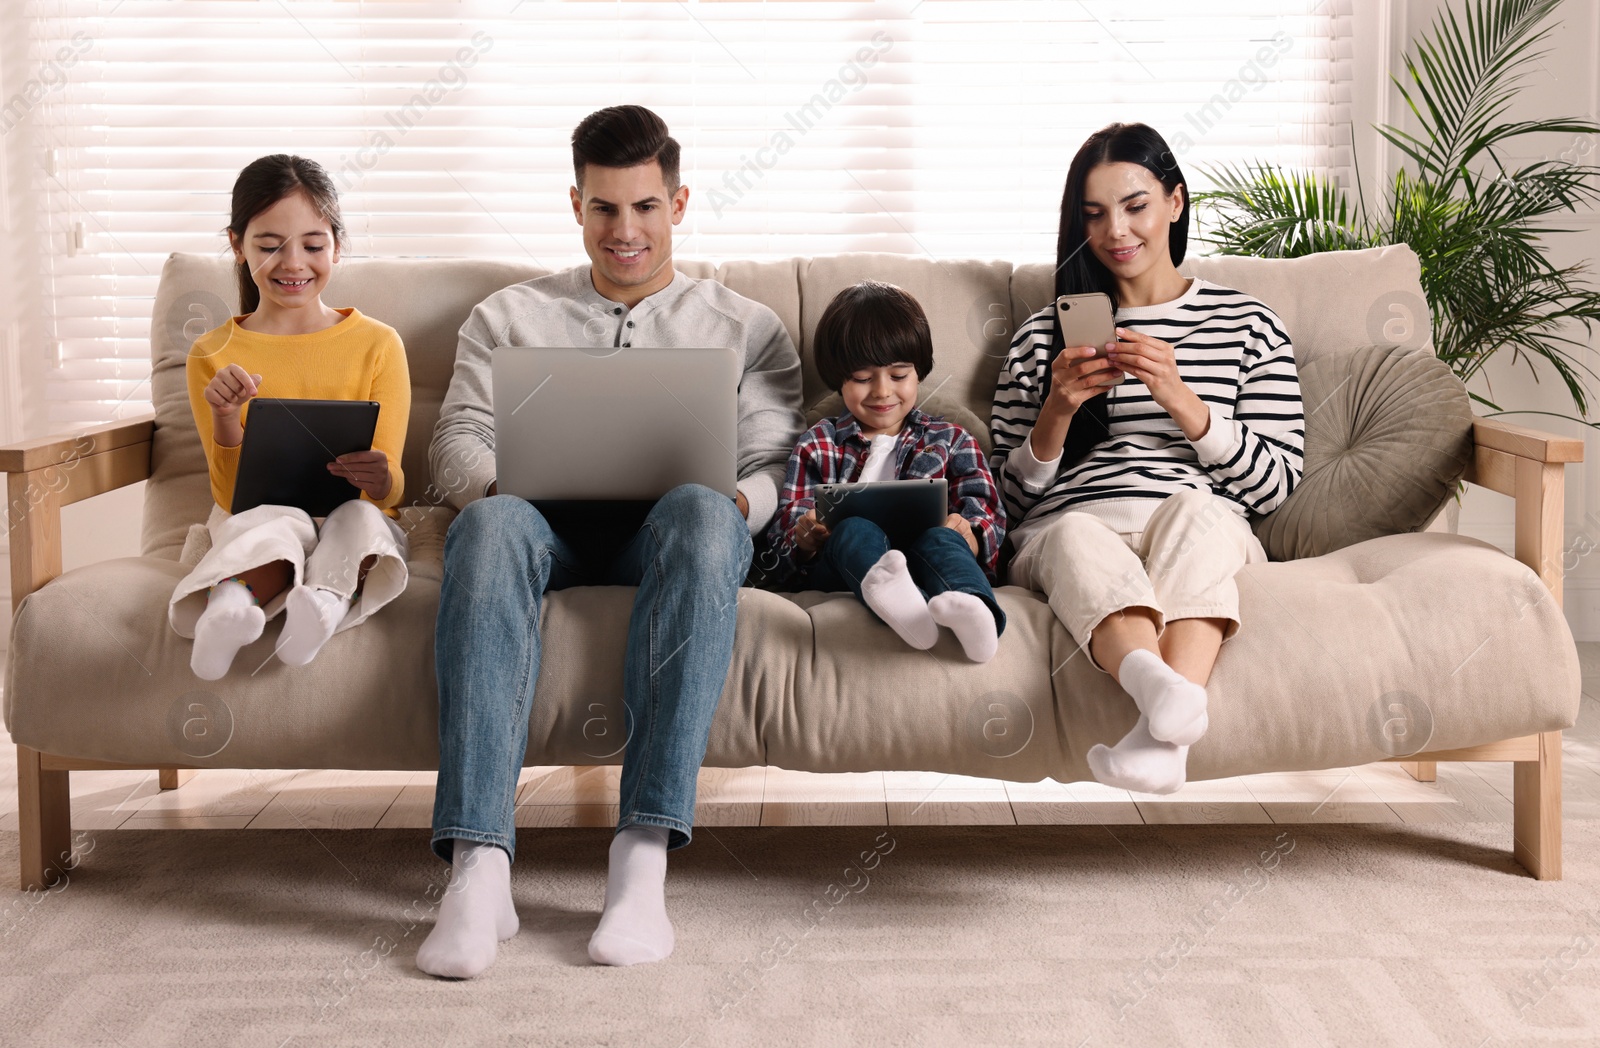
(1231, 350)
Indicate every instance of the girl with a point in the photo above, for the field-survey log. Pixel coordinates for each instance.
(873, 346)
(286, 232)
(1132, 476)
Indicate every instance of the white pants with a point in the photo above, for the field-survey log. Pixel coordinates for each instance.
(328, 557)
(1180, 567)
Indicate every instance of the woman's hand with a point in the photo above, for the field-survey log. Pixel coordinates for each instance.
(367, 470)
(1075, 376)
(1155, 363)
(810, 533)
(957, 523)
(228, 391)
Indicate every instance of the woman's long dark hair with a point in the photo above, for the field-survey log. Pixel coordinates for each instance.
(263, 183)
(1079, 272)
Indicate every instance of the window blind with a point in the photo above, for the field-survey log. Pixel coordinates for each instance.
(940, 127)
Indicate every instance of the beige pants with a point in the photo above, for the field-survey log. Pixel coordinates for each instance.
(1180, 567)
(328, 556)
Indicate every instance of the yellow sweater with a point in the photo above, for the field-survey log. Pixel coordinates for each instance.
(356, 359)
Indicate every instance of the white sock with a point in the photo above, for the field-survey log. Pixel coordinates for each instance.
(231, 620)
(971, 620)
(1175, 705)
(311, 614)
(475, 913)
(634, 928)
(889, 591)
(1141, 762)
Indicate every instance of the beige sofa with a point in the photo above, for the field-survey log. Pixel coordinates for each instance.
(1365, 653)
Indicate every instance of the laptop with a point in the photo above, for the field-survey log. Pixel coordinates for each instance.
(618, 424)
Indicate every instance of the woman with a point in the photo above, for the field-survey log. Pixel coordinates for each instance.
(1131, 476)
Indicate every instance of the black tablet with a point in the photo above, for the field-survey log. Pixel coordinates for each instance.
(904, 509)
(288, 445)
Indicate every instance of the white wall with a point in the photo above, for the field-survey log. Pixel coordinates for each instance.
(1566, 82)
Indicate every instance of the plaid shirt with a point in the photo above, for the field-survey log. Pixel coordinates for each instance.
(833, 452)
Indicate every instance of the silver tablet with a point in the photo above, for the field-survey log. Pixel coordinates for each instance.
(614, 423)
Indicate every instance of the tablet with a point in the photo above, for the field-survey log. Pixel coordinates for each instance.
(904, 509)
(288, 445)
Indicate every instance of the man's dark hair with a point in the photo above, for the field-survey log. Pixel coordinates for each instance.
(624, 136)
(871, 324)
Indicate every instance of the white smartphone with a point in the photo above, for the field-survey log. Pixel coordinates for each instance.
(1087, 320)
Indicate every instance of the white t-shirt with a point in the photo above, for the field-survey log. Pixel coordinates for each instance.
(880, 460)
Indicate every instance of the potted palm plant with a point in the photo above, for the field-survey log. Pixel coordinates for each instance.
(1473, 214)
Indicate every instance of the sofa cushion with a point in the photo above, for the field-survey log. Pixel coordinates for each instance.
(1388, 435)
(1328, 647)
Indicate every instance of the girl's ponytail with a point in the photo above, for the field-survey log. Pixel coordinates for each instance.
(263, 183)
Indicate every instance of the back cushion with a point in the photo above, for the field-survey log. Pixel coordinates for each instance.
(1388, 434)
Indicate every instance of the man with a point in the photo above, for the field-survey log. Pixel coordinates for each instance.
(687, 555)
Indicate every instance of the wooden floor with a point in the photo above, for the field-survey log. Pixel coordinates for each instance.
(346, 800)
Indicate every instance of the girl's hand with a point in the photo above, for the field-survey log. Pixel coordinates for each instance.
(810, 533)
(957, 523)
(229, 389)
(1155, 363)
(226, 393)
(367, 470)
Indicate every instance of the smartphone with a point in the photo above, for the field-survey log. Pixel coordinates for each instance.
(1086, 320)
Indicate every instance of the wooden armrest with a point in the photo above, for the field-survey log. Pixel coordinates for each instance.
(1530, 466)
(44, 475)
(1524, 442)
(54, 451)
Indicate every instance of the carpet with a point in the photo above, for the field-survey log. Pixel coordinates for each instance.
(972, 936)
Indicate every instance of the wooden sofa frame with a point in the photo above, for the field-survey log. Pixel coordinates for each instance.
(44, 475)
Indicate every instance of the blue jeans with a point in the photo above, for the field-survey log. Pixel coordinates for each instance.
(939, 561)
(501, 555)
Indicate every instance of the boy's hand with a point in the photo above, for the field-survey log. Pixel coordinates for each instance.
(367, 470)
(957, 523)
(810, 533)
(229, 389)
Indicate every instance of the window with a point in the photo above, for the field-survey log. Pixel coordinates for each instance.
(942, 127)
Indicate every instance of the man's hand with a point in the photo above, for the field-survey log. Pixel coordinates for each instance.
(743, 504)
(810, 533)
(957, 523)
(367, 470)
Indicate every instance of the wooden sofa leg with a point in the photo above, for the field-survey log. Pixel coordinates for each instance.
(44, 820)
(1536, 819)
(172, 778)
(1422, 771)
